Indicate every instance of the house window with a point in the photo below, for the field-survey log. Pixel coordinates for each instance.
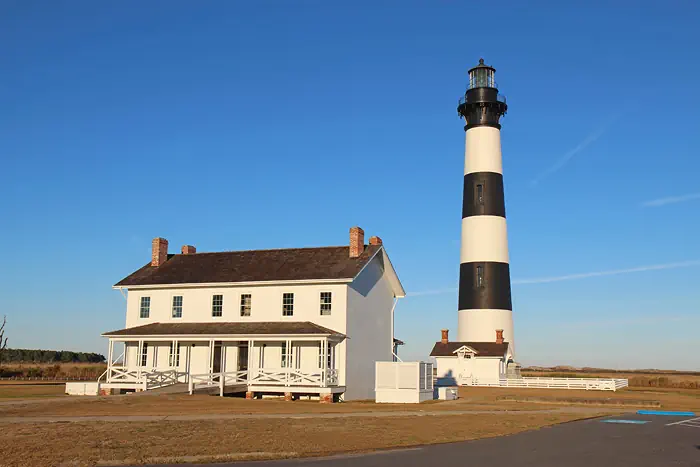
(480, 193)
(479, 276)
(326, 298)
(144, 354)
(177, 306)
(217, 305)
(287, 304)
(246, 304)
(145, 309)
(174, 357)
(329, 358)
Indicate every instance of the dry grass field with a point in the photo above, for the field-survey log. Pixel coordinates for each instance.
(82, 444)
(53, 370)
(276, 435)
(26, 390)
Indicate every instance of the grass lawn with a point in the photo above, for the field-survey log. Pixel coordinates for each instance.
(92, 443)
(668, 398)
(23, 390)
(82, 444)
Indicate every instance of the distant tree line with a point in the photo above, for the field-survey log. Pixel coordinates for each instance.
(49, 356)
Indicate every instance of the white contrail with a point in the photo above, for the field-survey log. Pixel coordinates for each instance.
(670, 200)
(653, 267)
(569, 277)
(592, 138)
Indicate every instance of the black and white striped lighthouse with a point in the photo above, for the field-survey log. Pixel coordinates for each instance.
(484, 275)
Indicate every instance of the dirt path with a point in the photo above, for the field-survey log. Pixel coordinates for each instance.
(203, 417)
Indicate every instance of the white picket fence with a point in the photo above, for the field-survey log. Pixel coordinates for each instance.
(588, 384)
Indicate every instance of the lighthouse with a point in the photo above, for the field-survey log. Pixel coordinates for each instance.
(485, 307)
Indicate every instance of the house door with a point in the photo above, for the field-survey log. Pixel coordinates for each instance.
(216, 365)
(465, 366)
(243, 357)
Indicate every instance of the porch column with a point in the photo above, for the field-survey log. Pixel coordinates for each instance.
(288, 360)
(110, 352)
(251, 351)
(324, 373)
(139, 360)
(211, 356)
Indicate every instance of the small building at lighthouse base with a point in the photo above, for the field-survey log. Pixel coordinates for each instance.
(467, 363)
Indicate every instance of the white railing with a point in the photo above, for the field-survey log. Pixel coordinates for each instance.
(145, 377)
(294, 377)
(595, 384)
(220, 380)
(159, 379)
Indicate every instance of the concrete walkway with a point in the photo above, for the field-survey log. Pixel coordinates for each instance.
(229, 416)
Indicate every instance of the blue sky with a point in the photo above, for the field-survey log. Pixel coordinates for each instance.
(240, 125)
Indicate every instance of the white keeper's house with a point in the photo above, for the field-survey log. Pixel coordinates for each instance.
(299, 321)
(466, 363)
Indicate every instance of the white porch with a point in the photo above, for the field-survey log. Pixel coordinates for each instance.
(257, 365)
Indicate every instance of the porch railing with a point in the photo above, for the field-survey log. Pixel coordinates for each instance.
(294, 377)
(148, 378)
(220, 380)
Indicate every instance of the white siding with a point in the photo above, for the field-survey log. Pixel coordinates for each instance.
(447, 371)
(266, 305)
(370, 299)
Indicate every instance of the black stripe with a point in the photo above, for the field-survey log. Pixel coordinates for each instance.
(483, 195)
(492, 292)
(482, 123)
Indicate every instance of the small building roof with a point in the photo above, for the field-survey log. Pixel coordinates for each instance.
(483, 349)
(291, 264)
(218, 329)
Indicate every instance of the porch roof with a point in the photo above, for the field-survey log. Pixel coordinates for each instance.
(483, 349)
(266, 328)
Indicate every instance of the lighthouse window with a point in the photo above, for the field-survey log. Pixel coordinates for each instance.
(480, 193)
(479, 276)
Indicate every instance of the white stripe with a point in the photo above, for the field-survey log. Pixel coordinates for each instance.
(484, 238)
(483, 150)
(683, 421)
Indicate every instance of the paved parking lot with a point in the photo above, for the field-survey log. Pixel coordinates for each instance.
(631, 440)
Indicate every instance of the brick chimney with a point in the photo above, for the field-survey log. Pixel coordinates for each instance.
(375, 240)
(357, 241)
(159, 253)
(445, 339)
(188, 250)
(499, 336)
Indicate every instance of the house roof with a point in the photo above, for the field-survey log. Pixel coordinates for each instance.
(245, 328)
(292, 264)
(483, 349)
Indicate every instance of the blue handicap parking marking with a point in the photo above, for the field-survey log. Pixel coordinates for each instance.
(666, 412)
(631, 422)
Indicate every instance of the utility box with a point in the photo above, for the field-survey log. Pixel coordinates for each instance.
(403, 382)
(82, 388)
(447, 393)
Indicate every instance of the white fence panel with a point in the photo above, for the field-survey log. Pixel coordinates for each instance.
(594, 384)
(403, 382)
